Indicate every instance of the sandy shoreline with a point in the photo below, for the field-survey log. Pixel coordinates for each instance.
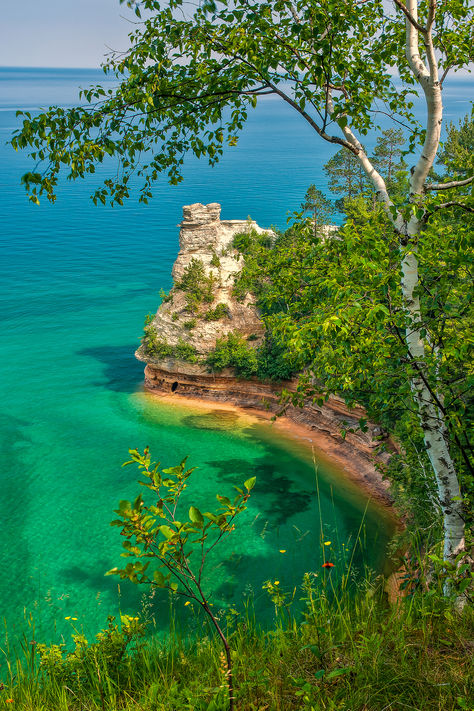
(353, 469)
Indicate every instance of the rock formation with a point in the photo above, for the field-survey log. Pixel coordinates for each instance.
(206, 241)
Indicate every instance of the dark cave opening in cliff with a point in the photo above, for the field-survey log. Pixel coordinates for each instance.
(174, 387)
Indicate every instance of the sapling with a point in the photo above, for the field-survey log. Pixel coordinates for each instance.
(170, 548)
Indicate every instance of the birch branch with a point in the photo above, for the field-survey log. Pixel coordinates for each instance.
(413, 20)
(442, 206)
(451, 184)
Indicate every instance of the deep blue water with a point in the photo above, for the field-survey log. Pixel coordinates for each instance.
(76, 283)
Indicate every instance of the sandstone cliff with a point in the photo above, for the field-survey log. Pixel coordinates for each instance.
(185, 336)
(206, 240)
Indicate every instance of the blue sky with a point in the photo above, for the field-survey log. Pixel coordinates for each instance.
(61, 33)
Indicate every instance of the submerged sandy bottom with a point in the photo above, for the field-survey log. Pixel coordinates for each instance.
(356, 479)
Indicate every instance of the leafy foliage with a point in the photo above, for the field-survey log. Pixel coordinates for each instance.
(334, 308)
(161, 349)
(233, 351)
(153, 345)
(319, 207)
(105, 658)
(456, 154)
(266, 362)
(185, 351)
(215, 314)
(198, 285)
(346, 176)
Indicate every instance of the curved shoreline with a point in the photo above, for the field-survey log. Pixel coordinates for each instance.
(353, 466)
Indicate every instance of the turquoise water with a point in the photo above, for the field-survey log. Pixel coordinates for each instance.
(76, 283)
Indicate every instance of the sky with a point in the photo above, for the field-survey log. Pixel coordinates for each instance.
(61, 33)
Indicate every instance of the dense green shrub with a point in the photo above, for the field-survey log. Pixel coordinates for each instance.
(161, 349)
(105, 658)
(220, 311)
(197, 285)
(185, 351)
(267, 362)
(245, 242)
(274, 361)
(233, 351)
(153, 345)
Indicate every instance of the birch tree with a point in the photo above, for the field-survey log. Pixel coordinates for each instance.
(189, 79)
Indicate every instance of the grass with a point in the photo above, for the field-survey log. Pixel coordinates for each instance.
(344, 652)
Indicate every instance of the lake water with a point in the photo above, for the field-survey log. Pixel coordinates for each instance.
(76, 283)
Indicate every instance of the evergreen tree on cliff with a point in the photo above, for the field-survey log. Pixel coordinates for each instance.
(191, 76)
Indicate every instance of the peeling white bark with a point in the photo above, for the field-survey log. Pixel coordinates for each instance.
(431, 419)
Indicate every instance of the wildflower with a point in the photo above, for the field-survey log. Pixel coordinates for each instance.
(327, 543)
(327, 565)
(283, 551)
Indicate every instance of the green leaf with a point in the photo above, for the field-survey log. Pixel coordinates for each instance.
(250, 483)
(338, 672)
(196, 516)
(113, 571)
(167, 532)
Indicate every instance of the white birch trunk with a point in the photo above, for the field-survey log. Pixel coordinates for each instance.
(432, 420)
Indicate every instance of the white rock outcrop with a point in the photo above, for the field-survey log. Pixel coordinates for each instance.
(205, 237)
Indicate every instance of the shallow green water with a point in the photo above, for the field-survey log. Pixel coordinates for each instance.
(65, 491)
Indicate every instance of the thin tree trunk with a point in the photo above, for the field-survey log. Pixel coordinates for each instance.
(432, 419)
